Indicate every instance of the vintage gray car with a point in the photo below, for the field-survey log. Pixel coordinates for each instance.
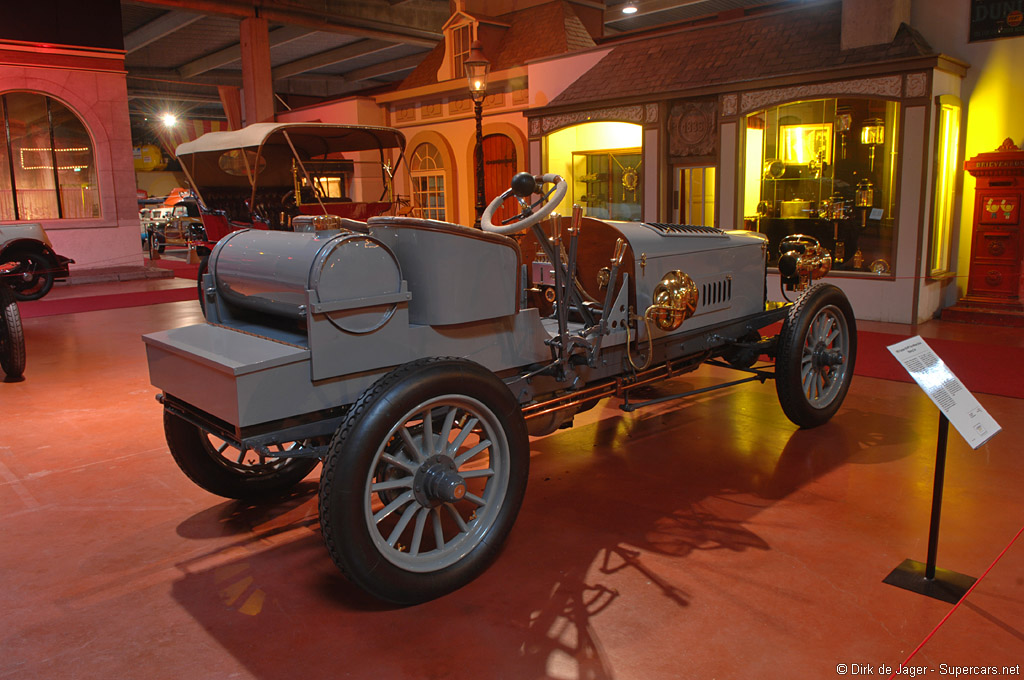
(415, 357)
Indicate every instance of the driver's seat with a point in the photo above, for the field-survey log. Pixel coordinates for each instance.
(455, 274)
(438, 225)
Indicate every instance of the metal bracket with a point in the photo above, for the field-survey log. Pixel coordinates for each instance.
(758, 374)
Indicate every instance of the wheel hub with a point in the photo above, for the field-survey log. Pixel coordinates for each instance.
(827, 357)
(437, 481)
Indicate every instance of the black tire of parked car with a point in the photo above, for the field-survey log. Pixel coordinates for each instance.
(33, 278)
(223, 470)
(12, 335)
(426, 540)
(817, 350)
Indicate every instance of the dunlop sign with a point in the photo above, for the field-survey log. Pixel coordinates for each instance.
(996, 19)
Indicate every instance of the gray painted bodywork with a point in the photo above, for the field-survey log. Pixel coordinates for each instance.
(299, 324)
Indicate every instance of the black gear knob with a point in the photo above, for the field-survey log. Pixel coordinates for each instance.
(524, 184)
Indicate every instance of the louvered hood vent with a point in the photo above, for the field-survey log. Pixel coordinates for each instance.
(684, 230)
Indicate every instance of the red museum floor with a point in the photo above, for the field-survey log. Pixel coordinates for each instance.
(703, 539)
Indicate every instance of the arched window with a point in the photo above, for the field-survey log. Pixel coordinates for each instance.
(47, 169)
(427, 170)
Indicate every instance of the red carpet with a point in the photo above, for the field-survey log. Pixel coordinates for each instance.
(49, 307)
(990, 369)
(181, 269)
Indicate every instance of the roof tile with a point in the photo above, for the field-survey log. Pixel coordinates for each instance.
(800, 40)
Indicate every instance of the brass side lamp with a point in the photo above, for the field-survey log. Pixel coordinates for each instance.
(864, 199)
(873, 134)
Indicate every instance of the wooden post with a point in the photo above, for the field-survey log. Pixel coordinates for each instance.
(257, 82)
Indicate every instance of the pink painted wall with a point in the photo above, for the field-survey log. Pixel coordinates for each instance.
(100, 99)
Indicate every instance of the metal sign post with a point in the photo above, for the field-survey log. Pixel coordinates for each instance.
(958, 405)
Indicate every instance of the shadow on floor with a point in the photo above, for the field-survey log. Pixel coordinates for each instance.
(596, 510)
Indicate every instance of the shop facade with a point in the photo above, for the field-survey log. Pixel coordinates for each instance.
(859, 148)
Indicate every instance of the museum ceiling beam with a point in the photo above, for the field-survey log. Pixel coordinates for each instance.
(337, 55)
(167, 75)
(384, 69)
(179, 96)
(228, 55)
(416, 22)
(162, 26)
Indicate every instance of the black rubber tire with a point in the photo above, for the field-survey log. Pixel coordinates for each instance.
(41, 282)
(352, 464)
(800, 342)
(12, 335)
(197, 457)
(204, 264)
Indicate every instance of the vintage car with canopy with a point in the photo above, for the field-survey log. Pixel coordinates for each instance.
(266, 174)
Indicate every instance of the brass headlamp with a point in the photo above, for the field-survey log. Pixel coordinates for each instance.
(674, 301)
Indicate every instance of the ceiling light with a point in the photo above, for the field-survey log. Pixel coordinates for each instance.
(629, 8)
(169, 119)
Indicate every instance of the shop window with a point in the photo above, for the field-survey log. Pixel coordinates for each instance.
(604, 163)
(428, 182)
(947, 155)
(608, 183)
(48, 171)
(825, 168)
(695, 192)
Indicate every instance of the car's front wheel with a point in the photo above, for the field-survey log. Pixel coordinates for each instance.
(817, 350)
(424, 480)
(12, 335)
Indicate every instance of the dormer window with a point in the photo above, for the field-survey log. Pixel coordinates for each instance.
(459, 41)
(460, 31)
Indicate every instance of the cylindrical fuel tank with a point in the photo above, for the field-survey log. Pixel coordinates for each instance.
(270, 271)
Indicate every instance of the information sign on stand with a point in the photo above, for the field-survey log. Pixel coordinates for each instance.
(958, 406)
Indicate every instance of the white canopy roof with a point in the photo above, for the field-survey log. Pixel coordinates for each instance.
(315, 139)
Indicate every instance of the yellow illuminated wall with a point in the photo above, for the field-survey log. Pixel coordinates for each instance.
(559, 147)
(992, 94)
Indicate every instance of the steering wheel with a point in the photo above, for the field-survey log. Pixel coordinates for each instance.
(525, 185)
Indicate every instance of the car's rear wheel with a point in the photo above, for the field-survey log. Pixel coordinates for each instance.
(222, 469)
(817, 350)
(424, 480)
(12, 335)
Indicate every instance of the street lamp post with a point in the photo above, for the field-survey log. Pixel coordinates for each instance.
(477, 68)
